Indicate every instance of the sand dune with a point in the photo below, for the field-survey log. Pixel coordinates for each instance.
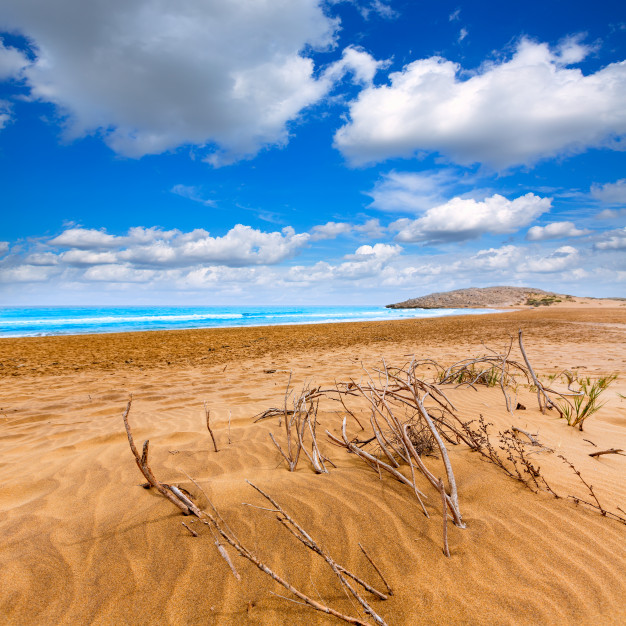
(82, 542)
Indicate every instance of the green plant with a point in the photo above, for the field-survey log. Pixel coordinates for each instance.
(585, 403)
(545, 301)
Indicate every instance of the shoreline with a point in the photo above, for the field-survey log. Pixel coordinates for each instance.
(158, 349)
(457, 312)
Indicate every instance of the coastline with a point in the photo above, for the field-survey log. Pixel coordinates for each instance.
(72, 513)
(60, 354)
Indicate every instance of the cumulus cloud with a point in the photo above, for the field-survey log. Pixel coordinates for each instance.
(555, 230)
(613, 240)
(561, 259)
(4, 247)
(378, 252)
(330, 230)
(150, 76)
(372, 229)
(506, 113)
(611, 193)
(84, 239)
(149, 247)
(462, 219)
(356, 61)
(366, 262)
(25, 274)
(410, 192)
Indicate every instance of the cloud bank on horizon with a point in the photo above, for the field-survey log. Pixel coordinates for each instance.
(351, 150)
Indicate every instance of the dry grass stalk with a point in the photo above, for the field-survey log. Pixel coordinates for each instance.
(207, 414)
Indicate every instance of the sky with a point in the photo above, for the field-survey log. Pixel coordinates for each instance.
(309, 152)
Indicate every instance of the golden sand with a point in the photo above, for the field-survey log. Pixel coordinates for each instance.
(81, 542)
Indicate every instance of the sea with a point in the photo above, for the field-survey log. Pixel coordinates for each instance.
(66, 320)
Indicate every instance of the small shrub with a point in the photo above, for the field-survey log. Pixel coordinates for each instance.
(585, 404)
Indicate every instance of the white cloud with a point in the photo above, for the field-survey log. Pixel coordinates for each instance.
(378, 252)
(5, 113)
(555, 230)
(4, 247)
(613, 240)
(151, 76)
(360, 63)
(493, 259)
(462, 219)
(562, 259)
(507, 113)
(609, 214)
(410, 192)
(84, 239)
(366, 262)
(118, 274)
(12, 61)
(191, 192)
(25, 274)
(611, 193)
(151, 247)
(86, 257)
(462, 35)
(372, 229)
(370, 7)
(330, 230)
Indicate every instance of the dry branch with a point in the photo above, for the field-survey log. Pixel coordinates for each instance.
(219, 528)
(604, 512)
(207, 413)
(610, 451)
(442, 490)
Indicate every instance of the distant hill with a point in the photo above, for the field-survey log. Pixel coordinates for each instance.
(485, 297)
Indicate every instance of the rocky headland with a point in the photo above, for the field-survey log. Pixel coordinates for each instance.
(482, 297)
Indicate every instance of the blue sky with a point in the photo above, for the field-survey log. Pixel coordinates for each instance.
(337, 152)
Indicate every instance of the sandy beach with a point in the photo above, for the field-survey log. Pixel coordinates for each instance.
(82, 542)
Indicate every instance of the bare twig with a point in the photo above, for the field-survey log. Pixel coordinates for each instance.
(369, 558)
(442, 490)
(611, 451)
(533, 438)
(207, 413)
(191, 530)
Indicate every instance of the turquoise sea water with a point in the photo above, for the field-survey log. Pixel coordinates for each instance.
(38, 321)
